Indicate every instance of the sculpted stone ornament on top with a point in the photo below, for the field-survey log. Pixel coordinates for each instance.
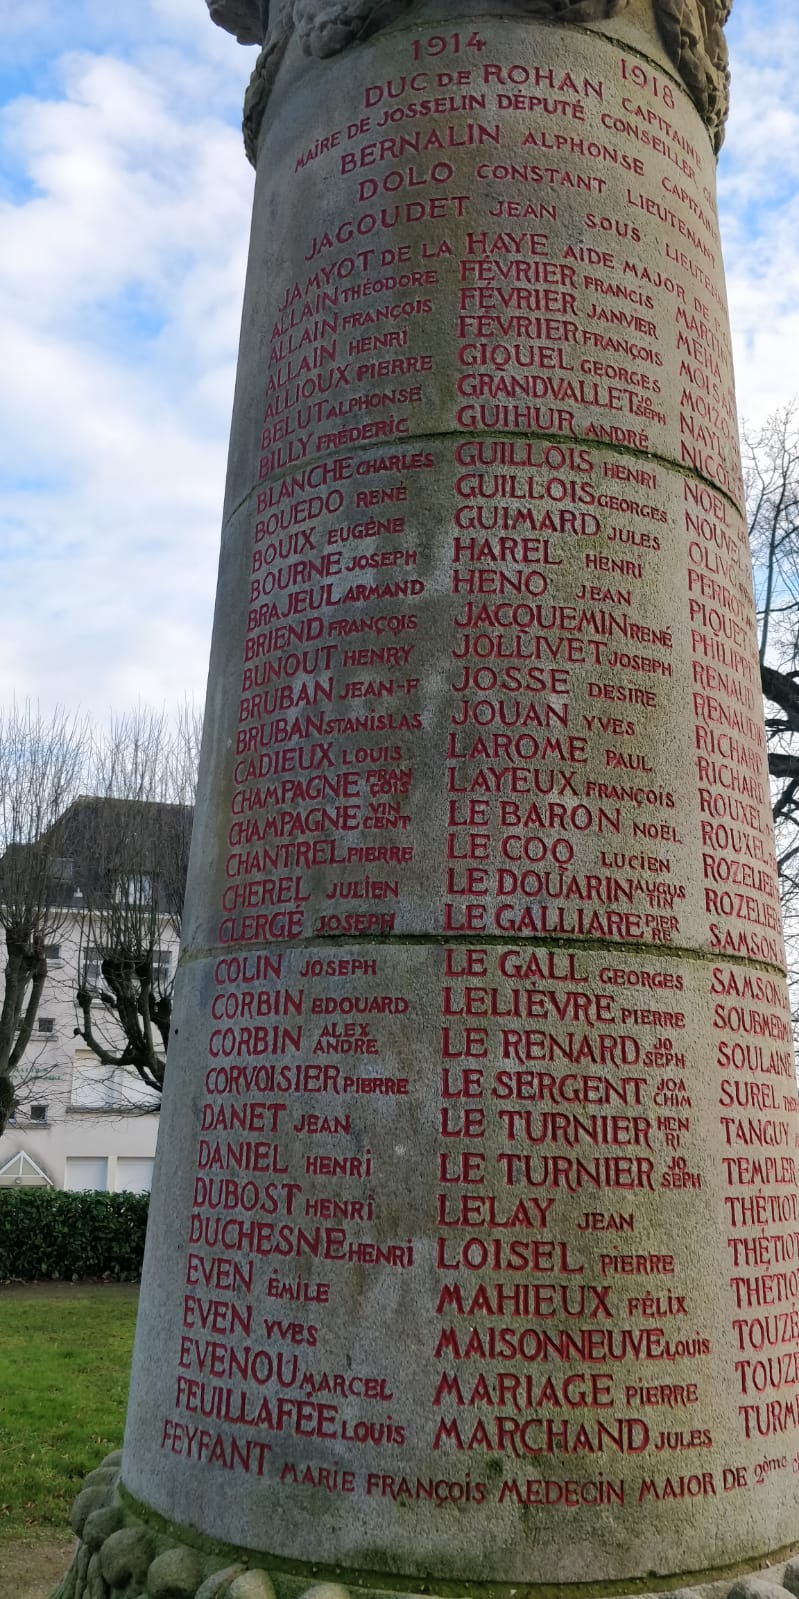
(691, 30)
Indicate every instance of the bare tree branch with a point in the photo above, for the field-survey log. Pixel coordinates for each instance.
(145, 771)
(42, 769)
(782, 689)
(95, 828)
(771, 478)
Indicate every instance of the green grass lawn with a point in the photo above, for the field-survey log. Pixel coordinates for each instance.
(64, 1363)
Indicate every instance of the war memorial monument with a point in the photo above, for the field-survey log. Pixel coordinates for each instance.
(474, 1244)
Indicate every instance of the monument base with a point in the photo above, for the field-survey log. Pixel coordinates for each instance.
(126, 1551)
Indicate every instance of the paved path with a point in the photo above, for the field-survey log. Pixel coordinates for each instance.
(31, 1570)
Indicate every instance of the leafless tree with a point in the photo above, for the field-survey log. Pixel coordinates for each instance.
(42, 769)
(771, 479)
(139, 824)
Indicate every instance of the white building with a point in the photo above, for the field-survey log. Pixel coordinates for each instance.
(79, 1123)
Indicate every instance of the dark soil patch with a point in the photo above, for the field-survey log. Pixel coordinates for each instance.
(30, 1570)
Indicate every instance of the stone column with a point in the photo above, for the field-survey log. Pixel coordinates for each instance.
(473, 1255)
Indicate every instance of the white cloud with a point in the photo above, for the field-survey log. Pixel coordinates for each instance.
(124, 209)
(759, 205)
(120, 288)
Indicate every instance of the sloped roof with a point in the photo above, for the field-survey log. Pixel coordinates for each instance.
(95, 827)
(22, 1170)
(97, 841)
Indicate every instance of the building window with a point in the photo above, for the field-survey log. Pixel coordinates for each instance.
(53, 952)
(132, 1093)
(82, 1172)
(45, 1024)
(162, 965)
(61, 870)
(134, 890)
(38, 1114)
(134, 1174)
(92, 1086)
(94, 967)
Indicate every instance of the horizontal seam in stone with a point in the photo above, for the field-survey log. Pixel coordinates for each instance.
(496, 941)
(574, 442)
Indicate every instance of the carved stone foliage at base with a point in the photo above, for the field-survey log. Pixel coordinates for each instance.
(120, 1556)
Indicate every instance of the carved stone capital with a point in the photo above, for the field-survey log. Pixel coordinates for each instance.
(691, 30)
(242, 17)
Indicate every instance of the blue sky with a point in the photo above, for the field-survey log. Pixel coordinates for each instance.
(124, 212)
(759, 205)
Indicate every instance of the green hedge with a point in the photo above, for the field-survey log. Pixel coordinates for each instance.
(45, 1232)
